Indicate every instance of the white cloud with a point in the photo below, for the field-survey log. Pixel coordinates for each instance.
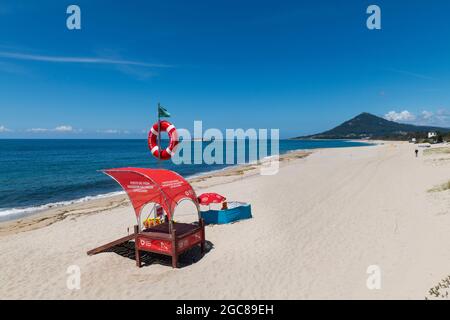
(114, 131)
(439, 118)
(60, 129)
(427, 115)
(403, 116)
(4, 129)
(64, 129)
(110, 131)
(412, 74)
(91, 60)
(37, 130)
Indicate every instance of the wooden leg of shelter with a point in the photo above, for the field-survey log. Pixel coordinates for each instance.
(202, 244)
(136, 249)
(174, 249)
(174, 261)
(138, 257)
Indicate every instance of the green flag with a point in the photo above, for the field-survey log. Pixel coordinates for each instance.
(162, 112)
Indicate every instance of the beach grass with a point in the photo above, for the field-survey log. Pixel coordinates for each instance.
(440, 150)
(440, 291)
(443, 187)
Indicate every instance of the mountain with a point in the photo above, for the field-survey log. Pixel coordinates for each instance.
(367, 125)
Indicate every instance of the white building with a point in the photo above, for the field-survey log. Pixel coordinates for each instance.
(432, 135)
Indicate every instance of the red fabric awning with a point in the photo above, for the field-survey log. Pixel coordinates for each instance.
(164, 187)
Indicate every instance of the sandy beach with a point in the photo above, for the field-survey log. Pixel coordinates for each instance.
(318, 225)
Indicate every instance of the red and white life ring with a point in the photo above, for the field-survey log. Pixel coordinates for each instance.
(167, 153)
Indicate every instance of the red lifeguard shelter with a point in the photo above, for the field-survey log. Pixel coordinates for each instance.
(166, 189)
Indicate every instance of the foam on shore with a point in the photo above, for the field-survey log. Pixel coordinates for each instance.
(15, 213)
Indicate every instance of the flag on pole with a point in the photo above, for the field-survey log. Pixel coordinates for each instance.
(162, 112)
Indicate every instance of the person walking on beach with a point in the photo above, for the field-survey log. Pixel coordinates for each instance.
(417, 152)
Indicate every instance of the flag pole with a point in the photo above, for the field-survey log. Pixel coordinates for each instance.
(159, 136)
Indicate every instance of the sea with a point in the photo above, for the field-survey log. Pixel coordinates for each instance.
(39, 174)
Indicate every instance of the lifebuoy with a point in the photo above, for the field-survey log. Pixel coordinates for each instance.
(167, 153)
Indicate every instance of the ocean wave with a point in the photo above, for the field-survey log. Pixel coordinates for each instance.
(18, 212)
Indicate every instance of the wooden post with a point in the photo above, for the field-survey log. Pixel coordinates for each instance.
(202, 244)
(174, 248)
(136, 249)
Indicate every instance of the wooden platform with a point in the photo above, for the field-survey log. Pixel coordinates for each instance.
(181, 228)
(159, 239)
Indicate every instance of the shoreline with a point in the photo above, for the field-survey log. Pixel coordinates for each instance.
(94, 204)
(26, 212)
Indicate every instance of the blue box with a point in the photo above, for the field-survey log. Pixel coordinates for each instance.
(239, 212)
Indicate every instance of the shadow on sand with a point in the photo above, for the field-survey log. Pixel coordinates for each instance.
(187, 258)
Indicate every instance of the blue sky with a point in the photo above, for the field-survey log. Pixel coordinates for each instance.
(301, 66)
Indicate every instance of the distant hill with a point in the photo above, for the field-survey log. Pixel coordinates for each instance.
(369, 126)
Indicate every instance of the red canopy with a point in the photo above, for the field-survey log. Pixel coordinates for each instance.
(208, 198)
(164, 187)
